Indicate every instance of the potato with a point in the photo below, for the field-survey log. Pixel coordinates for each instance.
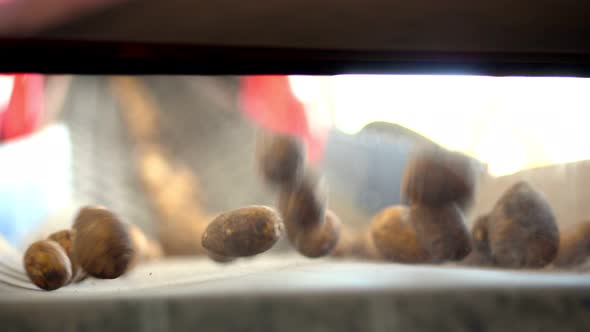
(366, 246)
(102, 244)
(47, 265)
(441, 231)
(304, 205)
(347, 244)
(65, 239)
(438, 177)
(321, 240)
(395, 237)
(479, 259)
(479, 234)
(522, 229)
(480, 255)
(247, 231)
(220, 259)
(281, 158)
(574, 246)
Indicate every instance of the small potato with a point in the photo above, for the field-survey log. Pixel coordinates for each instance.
(47, 265)
(321, 240)
(441, 231)
(522, 230)
(102, 244)
(281, 158)
(479, 234)
(247, 231)
(438, 177)
(304, 205)
(574, 246)
(347, 245)
(480, 255)
(65, 239)
(395, 237)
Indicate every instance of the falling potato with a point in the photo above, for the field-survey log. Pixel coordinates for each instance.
(281, 158)
(319, 241)
(304, 205)
(438, 177)
(247, 231)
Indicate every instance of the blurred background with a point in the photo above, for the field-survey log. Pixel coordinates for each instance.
(167, 151)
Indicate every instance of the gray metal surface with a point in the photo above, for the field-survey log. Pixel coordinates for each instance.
(284, 293)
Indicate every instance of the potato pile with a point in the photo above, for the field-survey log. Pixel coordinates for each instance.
(98, 245)
(519, 233)
(437, 186)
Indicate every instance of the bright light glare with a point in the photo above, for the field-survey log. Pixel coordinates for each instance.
(510, 123)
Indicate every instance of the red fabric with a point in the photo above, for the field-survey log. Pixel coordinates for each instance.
(270, 103)
(25, 107)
